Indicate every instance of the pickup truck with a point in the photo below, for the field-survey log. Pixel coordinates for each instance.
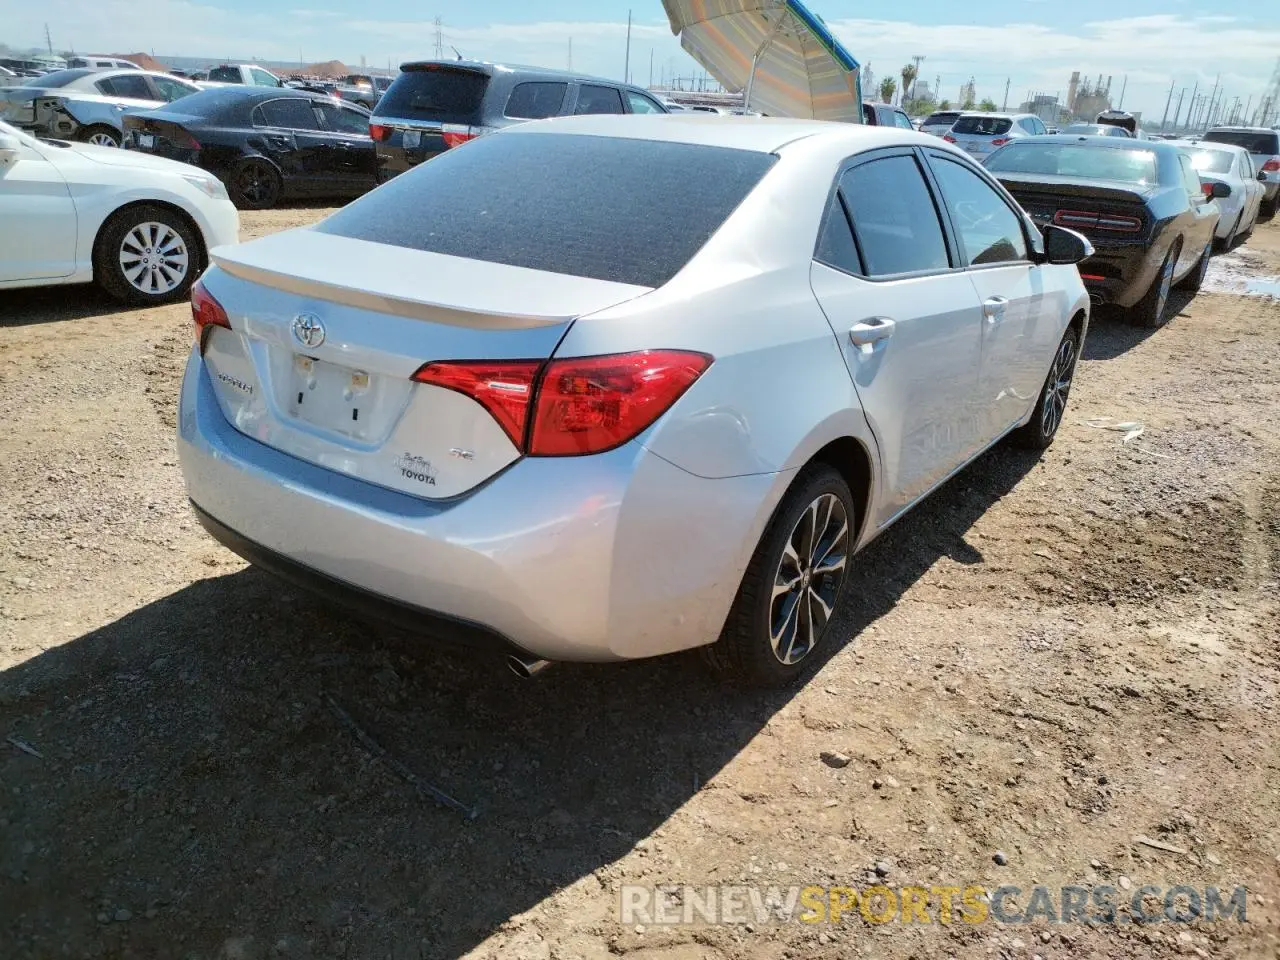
(245, 73)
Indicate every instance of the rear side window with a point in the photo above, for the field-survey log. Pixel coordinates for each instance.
(536, 100)
(437, 95)
(835, 244)
(224, 75)
(629, 211)
(171, 89)
(291, 114)
(639, 103)
(343, 119)
(894, 216)
(134, 88)
(982, 126)
(593, 99)
(1266, 143)
(900, 119)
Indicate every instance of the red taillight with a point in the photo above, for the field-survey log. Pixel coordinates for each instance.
(1092, 276)
(1272, 165)
(183, 137)
(592, 404)
(1206, 189)
(504, 388)
(455, 135)
(379, 132)
(206, 312)
(999, 141)
(949, 138)
(1089, 219)
(579, 406)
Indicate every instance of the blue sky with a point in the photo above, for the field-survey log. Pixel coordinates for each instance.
(1035, 44)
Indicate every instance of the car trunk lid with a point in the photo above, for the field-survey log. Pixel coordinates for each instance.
(1103, 211)
(322, 367)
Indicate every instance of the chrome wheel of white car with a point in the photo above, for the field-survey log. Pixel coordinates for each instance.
(1057, 387)
(103, 140)
(808, 578)
(154, 259)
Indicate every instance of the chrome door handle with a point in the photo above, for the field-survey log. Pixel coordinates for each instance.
(869, 331)
(993, 308)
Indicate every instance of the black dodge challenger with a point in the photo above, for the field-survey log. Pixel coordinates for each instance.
(1140, 203)
(265, 143)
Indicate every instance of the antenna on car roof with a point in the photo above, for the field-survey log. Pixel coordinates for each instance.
(455, 50)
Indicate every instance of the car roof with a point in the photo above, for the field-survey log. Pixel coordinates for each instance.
(491, 68)
(759, 134)
(994, 113)
(1242, 130)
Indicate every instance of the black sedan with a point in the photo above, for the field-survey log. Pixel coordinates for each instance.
(1140, 203)
(265, 143)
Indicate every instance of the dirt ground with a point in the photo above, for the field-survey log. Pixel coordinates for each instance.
(1048, 659)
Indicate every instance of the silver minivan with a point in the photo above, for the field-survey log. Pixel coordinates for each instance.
(982, 134)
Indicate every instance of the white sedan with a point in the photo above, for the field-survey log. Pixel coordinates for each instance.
(137, 225)
(1232, 165)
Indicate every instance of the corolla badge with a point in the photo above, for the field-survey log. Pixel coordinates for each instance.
(308, 330)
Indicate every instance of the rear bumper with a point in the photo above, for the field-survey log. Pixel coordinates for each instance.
(1119, 274)
(615, 556)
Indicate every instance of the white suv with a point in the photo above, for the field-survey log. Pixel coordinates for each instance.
(982, 134)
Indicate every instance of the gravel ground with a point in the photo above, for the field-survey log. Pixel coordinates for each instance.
(1049, 658)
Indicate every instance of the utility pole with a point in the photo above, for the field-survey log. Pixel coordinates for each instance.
(48, 40)
(1178, 109)
(569, 67)
(1007, 81)
(439, 38)
(1123, 88)
(1168, 100)
(937, 89)
(1212, 96)
(651, 68)
(626, 70)
(918, 58)
(1191, 104)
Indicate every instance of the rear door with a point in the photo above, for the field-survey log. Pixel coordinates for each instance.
(598, 98)
(907, 319)
(354, 167)
(1020, 325)
(289, 133)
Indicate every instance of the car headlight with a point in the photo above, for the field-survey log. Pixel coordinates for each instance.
(209, 185)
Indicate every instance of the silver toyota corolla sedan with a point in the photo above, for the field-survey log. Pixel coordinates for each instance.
(600, 388)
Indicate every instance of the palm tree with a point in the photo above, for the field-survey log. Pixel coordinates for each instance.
(887, 86)
(909, 73)
(988, 105)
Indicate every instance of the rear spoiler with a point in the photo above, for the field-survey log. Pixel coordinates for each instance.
(1075, 187)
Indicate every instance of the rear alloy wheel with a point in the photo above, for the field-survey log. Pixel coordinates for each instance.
(100, 135)
(147, 254)
(254, 185)
(1043, 426)
(1194, 280)
(1150, 310)
(1230, 240)
(792, 587)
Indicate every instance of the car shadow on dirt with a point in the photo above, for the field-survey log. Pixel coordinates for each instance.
(20, 308)
(1111, 335)
(195, 774)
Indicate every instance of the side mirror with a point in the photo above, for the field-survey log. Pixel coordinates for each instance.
(10, 146)
(1262, 176)
(1064, 246)
(1220, 190)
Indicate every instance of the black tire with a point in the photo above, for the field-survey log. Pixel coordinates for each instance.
(254, 184)
(110, 248)
(745, 652)
(1194, 280)
(1152, 310)
(1038, 432)
(1224, 245)
(1268, 208)
(100, 131)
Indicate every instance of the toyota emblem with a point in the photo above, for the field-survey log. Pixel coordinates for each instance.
(308, 330)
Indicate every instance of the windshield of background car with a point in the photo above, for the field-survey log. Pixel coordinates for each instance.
(618, 209)
(982, 126)
(59, 78)
(1076, 160)
(1211, 161)
(1254, 142)
(437, 94)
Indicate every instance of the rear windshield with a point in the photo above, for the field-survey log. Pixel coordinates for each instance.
(1211, 161)
(214, 104)
(59, 78)
(630, 211)
(1076, 160)
(1267, 143)
(438, 94)
(982, 126)
(941, 118)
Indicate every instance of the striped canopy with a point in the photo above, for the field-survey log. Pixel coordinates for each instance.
(776, 51)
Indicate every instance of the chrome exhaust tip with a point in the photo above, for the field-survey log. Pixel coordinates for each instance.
(526, 668)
